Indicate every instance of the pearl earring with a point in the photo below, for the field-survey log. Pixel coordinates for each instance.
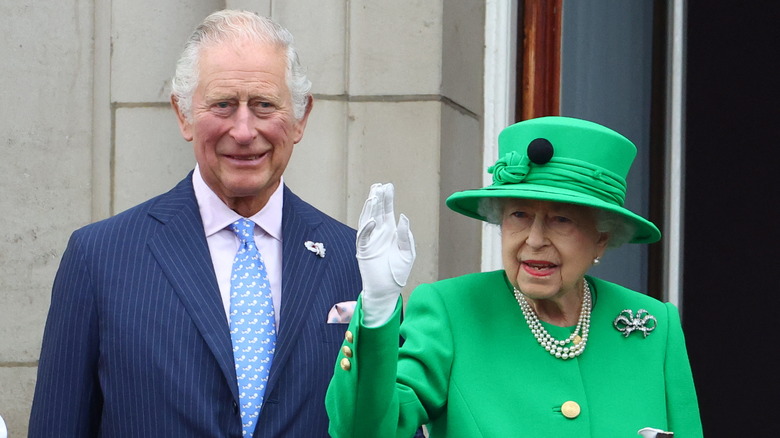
(596, 261)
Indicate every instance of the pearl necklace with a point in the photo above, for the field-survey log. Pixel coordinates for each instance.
(559, 348)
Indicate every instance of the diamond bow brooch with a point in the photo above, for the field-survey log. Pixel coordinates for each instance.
(315, 247)
(627, 323)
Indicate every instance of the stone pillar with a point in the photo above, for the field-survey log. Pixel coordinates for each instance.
(398, 98)
(44, 175)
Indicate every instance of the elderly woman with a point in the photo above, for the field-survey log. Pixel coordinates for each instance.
(538, 349)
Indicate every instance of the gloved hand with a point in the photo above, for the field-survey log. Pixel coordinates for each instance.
(385, 254)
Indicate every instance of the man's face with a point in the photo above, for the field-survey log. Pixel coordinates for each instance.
(242, 125)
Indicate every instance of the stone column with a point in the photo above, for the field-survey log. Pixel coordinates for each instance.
(45, 126)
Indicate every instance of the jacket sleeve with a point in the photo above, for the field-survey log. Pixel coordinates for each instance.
(67, 399)
(381, 391)
(682, 404)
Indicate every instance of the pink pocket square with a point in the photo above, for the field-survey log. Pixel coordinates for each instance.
(342, 312)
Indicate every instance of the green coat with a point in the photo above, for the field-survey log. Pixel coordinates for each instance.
(470, 367)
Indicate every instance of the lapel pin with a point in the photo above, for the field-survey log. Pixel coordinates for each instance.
(315, 247)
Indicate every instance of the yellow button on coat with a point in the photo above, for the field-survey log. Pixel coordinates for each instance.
(570, 409)
(348, 336)
(346, 364)
(347, 351)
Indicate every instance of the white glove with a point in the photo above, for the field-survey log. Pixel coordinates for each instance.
(385, 255)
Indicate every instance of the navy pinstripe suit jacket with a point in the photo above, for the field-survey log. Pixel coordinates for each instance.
(137, 345)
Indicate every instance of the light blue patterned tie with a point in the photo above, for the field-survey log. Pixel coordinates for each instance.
(252, 325)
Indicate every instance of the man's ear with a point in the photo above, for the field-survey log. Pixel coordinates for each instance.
(300, 125)
(184, 126)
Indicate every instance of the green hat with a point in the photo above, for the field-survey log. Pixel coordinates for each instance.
(561, 159)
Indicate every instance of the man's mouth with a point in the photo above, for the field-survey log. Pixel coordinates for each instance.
(246, 158)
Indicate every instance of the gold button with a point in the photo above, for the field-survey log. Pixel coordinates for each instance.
(570, 409)
(346, 365)
(347, 351)
(348, 336)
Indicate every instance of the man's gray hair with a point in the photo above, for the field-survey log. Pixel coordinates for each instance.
(229, 26)
(619, 229)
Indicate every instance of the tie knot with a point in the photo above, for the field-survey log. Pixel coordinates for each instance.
(244, 229)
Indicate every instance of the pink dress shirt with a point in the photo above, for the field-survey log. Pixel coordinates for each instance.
(223, 244)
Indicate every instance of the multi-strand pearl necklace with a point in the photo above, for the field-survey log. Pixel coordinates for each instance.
(560, 348)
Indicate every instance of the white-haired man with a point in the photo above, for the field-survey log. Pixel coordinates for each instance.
(156, 326)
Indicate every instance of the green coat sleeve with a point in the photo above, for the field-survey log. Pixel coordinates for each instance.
(361, 399)
(379, 391)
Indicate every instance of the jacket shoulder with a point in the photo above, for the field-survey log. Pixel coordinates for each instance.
(620, 297)
(180, 199)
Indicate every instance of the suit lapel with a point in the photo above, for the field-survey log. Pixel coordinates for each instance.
(302, 271)
(181, 250)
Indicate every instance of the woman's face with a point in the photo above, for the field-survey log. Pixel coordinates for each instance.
(548, 246)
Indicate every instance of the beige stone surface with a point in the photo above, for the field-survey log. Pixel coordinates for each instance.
(150, 156)
(395, 47)
(44, 176)
(458, 236)
(463, 44)
(18, 384)
(147, 37)
(44, 172)
(318, 170)
(386, 145)
(319, 30)
(260, 6)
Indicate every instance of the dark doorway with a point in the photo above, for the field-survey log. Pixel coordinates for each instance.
(730, 311)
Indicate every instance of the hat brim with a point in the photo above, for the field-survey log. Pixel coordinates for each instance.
(467, 203)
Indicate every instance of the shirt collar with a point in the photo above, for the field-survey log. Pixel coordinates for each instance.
(217, 216)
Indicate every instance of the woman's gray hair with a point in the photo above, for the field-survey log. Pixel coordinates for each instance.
(619, 229)
(230, 26)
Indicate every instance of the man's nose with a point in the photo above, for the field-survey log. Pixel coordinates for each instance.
(243, 130)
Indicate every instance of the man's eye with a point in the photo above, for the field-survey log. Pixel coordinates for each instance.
(224, 108)
(263, 107)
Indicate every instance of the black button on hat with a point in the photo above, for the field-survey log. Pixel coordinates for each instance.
(540, 151)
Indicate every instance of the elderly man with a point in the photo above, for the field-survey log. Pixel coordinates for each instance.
(211, 310)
